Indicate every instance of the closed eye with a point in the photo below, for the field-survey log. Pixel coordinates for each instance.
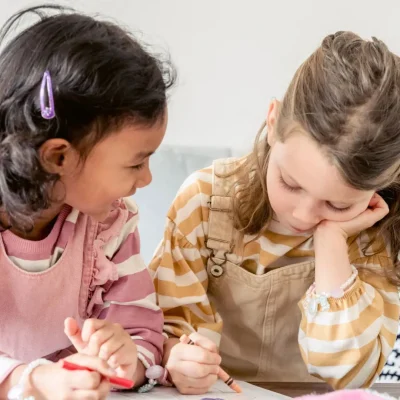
(336, 209)
(138, 167)
(287, 186)
(297, 188)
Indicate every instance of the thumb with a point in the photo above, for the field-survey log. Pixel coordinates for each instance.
(72, 330)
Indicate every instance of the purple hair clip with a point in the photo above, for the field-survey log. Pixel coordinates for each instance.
(48, 112)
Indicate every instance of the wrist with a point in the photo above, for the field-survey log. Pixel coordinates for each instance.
(314, 300)
(155, 375)
(332, 264)
(12, 379)
(139, 375)
(35, 378)
(38, 374)
(28, 379)
(168, 345)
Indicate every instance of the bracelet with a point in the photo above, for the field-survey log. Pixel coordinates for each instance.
(156, 375)
(17, 392)
(315, 302)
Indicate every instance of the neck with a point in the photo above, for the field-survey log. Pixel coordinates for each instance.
(42, 225)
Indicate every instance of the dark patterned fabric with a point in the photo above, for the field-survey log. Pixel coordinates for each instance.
(391, 371)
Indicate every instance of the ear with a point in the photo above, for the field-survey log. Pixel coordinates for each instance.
(271, 121)
(56, 156)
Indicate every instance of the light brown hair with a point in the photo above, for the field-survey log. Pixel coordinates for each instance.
(346, 96)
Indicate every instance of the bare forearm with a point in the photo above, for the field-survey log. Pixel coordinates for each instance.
(332, 265)
(11, 380)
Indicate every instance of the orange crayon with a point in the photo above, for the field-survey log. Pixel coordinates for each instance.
(224, 376)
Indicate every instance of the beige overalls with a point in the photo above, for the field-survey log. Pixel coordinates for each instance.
(260, 313)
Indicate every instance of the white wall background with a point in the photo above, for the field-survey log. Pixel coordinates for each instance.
(233, 56)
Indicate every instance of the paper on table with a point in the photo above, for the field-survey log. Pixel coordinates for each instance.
(219, 392)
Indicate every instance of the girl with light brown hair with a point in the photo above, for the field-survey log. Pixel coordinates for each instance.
(288, 258)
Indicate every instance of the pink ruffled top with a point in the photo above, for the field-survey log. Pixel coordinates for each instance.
(82, 269)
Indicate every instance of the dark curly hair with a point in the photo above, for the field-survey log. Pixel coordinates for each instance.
(102, 78)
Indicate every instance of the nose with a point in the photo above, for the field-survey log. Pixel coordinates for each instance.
(306, 214)
(144, 179)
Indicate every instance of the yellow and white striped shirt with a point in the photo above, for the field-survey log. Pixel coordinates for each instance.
(346, 346)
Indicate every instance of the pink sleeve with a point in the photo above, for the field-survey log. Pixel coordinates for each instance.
(132, 303)
(125, 293)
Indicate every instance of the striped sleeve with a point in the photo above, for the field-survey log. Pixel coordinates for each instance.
(130, 300)
(348, 345)
(179, 265)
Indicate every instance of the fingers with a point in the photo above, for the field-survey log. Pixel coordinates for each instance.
(73, 332)
(377, 202)
(110, 342)
(189, 385)
(186, 352)
(109, 348)
(123, 356)
(98, 394)
(193, 369)
(374, 201)
(185, 339)
(90, 326)
(104, 389)
(203, 342)
(191, 391)
(96, 343)
(93, 363)
(83, 380)
(377, 210)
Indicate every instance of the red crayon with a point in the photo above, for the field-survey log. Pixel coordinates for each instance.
(125, 383)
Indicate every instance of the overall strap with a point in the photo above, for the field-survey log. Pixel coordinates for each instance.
(220, 221)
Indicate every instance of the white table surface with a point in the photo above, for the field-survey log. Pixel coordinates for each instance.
(219, 391)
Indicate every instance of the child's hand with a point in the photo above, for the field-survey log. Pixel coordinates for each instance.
(52, 382)
(377, 209)
(109, 341)
(194, 368)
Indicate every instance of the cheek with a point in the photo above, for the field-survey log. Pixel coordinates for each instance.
(79, 188)
(89, 183)
(280, 199)
(349, 215)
